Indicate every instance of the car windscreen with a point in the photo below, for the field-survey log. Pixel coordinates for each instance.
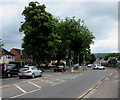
(24, 69)
(8, 66)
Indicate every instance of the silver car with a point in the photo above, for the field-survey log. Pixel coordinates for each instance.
(29, 71)
(99, 67)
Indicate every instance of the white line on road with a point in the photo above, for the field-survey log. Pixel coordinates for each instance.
(20, 88)
(74, 77)
(46, 81)
(25, 93)
(34, 84)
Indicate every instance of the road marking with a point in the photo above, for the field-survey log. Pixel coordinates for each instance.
(74, 77)
(47, 81)
(25, 93)
(56, 79)
(58, 83)
(20, 88)
(4, 86)
(34, 84)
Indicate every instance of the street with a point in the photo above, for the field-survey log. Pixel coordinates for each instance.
(54, 85)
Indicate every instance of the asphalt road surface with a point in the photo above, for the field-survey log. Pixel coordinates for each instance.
(109, 89)
(54, 85)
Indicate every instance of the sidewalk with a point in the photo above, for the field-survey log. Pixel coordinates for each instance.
(109, 89)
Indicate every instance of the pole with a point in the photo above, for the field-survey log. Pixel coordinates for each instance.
(21, 43)
(78, 60)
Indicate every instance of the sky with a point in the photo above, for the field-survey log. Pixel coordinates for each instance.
(100, 17)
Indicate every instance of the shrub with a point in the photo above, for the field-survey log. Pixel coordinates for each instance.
(17, 63)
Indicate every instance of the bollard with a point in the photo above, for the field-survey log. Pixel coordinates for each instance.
(72, 69)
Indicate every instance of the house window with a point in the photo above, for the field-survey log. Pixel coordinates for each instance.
(9, 57)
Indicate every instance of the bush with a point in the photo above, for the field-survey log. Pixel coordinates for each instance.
(17, 63)
(112, 60)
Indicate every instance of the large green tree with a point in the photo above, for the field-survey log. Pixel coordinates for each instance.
(75, 37)
(39, 25)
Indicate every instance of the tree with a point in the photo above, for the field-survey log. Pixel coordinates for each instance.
(75, 37)
(112, 55)
(112, 60)
(40, 40)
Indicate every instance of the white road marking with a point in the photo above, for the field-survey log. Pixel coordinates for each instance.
(58, 83)
(74, 77)
(47, 81)
(4, 86)
(25, 93)
(34, 84)
(20, 88)
(56, 79)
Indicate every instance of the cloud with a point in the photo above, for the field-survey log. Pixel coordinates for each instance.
(110, 44)
(100, 18)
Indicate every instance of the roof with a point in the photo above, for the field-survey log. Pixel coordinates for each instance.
(17, 50)
(5, 52)
(21, 52)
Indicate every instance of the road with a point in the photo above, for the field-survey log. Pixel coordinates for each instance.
(108, 89)
(54, 85)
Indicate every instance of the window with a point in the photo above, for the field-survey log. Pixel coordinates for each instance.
(9, 57)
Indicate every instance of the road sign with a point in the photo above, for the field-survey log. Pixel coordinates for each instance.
(70, 60)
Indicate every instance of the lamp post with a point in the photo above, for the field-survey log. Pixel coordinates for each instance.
(21, 55)
(66, 56)
(84, 61)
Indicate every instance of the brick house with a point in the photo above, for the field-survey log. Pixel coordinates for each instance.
(6, 56)
(21, 55)
(17, 54)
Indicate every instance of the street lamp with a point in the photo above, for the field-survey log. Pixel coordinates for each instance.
(21, 43)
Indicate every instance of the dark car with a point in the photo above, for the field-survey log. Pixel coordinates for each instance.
(59, 69)
(9, 70)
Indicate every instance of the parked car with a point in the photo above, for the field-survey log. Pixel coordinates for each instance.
(9, 70)
(89, 65)
(59, 69)
(99, 67)
(29, 71)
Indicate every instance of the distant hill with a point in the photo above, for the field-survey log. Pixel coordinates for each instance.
(99, 55)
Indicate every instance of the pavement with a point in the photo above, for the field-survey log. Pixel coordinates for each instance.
(108, 89)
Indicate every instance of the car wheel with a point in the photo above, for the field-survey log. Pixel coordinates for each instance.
(41, 74)
(33, 76)
(20, 77)
(9, 75)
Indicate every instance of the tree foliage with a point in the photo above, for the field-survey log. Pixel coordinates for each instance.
(117, 55)
(39, 40)
(48, 38)
(112, 60)
(75, 36)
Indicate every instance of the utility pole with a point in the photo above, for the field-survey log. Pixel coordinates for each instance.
(21, 55)
(66, 56)
(84, 60)
(78, 60)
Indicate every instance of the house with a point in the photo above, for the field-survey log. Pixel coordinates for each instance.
(20, 55)
(17, 54)
(6, 56)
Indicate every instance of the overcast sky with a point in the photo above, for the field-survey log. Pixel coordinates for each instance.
(100, 17)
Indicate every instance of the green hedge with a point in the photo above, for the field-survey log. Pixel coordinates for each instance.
(18, 63)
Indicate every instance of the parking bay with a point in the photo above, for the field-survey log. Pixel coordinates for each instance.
(21, 88)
